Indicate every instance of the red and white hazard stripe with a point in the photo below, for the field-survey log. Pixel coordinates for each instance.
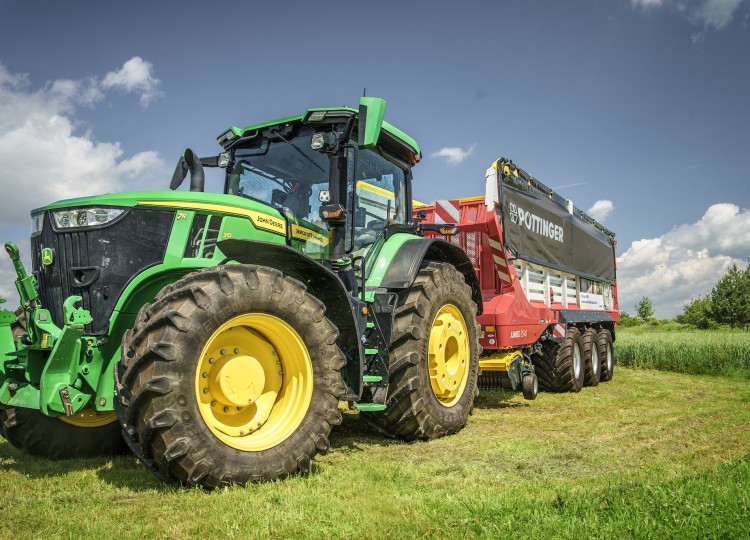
(558, 331)
(447, 211)
(501, 266)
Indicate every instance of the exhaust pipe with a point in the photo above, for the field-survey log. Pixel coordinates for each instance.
(189, 162)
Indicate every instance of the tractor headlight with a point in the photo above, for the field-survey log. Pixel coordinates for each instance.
(37, 223)
(86, 217)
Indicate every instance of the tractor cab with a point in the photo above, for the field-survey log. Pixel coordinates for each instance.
(323, 175)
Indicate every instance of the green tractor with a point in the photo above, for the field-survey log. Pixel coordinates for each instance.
(214, 334)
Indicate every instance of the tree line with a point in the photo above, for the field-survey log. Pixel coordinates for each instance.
(727, 304)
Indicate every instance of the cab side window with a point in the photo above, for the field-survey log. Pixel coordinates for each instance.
(380, 197)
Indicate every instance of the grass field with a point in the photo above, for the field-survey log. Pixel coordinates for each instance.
(700, 352)
(649, 455)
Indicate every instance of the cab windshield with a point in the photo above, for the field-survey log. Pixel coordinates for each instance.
(280, 169)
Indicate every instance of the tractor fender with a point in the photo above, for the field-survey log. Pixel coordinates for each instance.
(321, 283)
(403, 268)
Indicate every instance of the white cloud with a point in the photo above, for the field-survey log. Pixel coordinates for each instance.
(601, 210)
(453, 154)
(710, 14)
(45, 156)
(135, 76)
(684, 263)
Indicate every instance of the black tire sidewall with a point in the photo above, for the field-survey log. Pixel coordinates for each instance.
(274, 296)
(455, 416)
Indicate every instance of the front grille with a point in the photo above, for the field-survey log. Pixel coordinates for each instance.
(97, 264)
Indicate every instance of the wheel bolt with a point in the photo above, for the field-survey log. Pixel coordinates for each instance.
(242, 432)
(226, 409)
(211, 360)
(236, 351)
(205, 375)
(213, 404)
(205, 390)
(223, 352)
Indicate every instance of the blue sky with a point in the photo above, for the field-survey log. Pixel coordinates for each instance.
(641, 106)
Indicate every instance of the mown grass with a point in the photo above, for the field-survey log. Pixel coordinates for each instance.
(700, 352)
(649, 455)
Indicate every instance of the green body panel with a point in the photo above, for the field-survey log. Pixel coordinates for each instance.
(141, 197)
(375, 107)
(380, 257)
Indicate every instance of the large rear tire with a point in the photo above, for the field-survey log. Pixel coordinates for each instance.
(232, 375)
(86, 434)
(434, 358)
(591, 358)
(560, 367)
(606, 354)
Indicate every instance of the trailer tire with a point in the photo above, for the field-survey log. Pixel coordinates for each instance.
(434, 366)
(591, 358)
(606, 354)
(560, 366)
(530, 386)
(88, 434)
(220, 355)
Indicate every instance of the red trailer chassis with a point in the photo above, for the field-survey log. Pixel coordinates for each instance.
(525, 304)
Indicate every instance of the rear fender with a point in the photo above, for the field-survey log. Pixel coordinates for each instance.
(414, 253)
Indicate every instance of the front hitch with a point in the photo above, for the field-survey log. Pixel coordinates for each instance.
(41, 370)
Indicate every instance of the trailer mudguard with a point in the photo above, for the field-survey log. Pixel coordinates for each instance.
(407, 261)
(323, 284)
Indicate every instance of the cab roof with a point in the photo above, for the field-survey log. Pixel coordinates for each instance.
(389, 129)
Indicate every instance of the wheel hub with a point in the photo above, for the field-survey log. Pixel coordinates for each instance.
(239, 381)
(448, 352)
(254, 382)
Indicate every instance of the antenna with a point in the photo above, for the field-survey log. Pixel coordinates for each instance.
(364, 92)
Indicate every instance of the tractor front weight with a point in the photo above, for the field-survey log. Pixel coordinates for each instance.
(57, 371)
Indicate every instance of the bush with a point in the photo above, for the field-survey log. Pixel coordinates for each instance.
(628, 320)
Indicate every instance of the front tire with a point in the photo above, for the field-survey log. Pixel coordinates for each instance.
(86, 434)
(434, 358)
(231, 376)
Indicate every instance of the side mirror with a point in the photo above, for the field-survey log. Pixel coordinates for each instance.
(371, 114)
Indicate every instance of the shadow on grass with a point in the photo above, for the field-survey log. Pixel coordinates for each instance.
(498, 399)
(353, 435)
(121, 471)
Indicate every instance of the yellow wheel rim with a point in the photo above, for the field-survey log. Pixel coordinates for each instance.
(90, 418)
(254, 382)
(448, 355)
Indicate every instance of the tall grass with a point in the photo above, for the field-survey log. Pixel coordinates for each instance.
(694, 352)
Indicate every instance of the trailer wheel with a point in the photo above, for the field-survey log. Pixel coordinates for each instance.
(592, 364)
(231, 376)
(434, 358)
(530, 386)
(606, 354)
(560, 367)
(86, 434)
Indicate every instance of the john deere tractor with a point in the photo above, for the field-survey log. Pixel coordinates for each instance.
(214, 334)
